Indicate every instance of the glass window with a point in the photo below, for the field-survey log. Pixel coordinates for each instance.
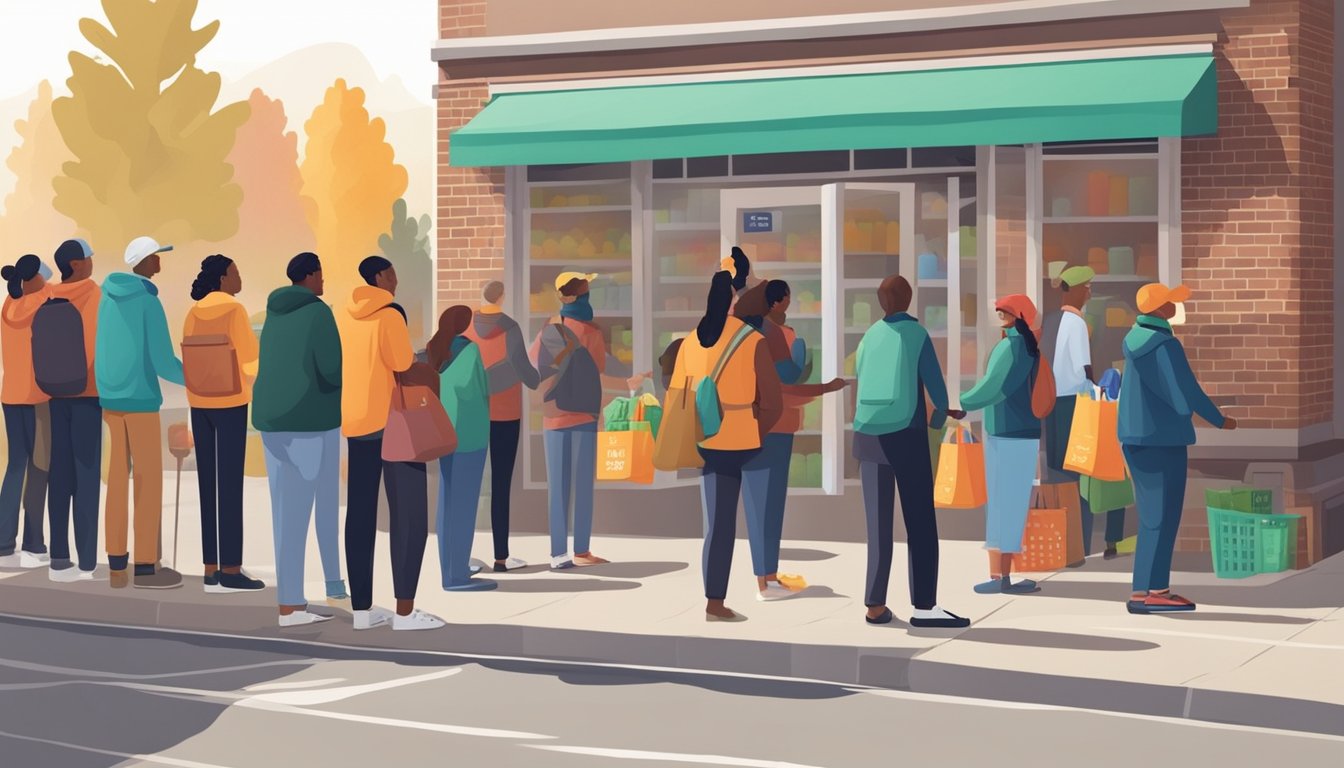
(791, 162)
(669, 169)
(704, 167)
(870, 159)
(942, 157)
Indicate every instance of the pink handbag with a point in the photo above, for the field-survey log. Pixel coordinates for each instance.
(418, 428)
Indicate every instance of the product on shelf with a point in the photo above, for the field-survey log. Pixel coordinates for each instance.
(1119, 203)
(1146, 263)
(931, 267)
(578, 243)
(1098, 193)
(1143, 195)
(850, 364)
(968, 311)
(1120, 259)
(935, 318)
(932, 205)
(862, 313)
(969, 244)
(1098, 260)
(1118, 315)
(812, 477)
(1061, 207)
(868, 231)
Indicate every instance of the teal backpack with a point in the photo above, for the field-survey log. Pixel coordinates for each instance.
(708, 408)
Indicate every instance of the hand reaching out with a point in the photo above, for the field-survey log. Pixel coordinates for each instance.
(956, 414)
(1229, 423)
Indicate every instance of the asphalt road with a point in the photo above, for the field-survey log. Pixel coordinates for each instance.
(79, 696)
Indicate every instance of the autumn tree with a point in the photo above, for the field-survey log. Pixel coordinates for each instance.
(30, 224)
(350, 173)
(406, 245)
(150, 154)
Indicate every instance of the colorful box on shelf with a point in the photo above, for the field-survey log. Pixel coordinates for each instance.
(1061, 207)
(932, 267)
(935, 319)
(1099, 260)
(1098, 193)
(1143, 196)
(969, 311)
(861, 313)
(970, 246)
(932, 205)
(1118, 315)
(851, 363)
(580, 244)
(1146, 262)
(1119, 203)
(1120, 259)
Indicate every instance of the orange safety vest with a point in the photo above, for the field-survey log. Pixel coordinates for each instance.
(737, 386)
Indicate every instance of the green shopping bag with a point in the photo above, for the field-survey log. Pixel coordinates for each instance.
(1106, 495)
(1252, 501)
(616, 416)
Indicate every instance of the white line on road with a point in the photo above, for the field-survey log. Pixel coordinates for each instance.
(671, 757)
(331, 695)
(292, 685)
(151, 759)
(391, 722)
(53, 669)
(1227, 638)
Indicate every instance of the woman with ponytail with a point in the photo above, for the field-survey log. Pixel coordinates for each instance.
(219, 361)
(20, 398)
(1012, 439)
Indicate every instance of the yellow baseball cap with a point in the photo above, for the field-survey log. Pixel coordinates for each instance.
(1153, 296)
(564, 278)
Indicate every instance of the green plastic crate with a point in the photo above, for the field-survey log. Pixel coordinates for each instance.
(1250, 501)
(1245, 545)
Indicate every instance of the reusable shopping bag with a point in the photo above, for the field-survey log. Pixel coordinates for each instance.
(1044, 540)
(1094, 440)
(960, 482)
(625, 456)
(418, 428)
(1106, 495)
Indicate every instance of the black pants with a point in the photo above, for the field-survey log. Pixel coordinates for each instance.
(76, 461)
(408, 512)
(720, 489)
(503, 455)
(909, 466)
(23, 481)
(220, 435)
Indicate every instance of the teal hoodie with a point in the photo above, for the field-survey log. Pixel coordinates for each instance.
(1160, 394)
(1005, 391)
(464, 390)
(133, 349)
(298, 386)
(896, 364)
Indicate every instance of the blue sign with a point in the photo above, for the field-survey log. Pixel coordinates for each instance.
(758, 221)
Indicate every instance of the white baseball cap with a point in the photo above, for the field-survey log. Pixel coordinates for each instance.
(142, 248)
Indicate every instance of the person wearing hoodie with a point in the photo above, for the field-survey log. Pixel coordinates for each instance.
(504, 353)
(297, 409)
(1012, 439)
(1159, 398)
(464, 389)
(20, 398)
(219, 421)
(76, 431)
(375, 350)
(134, 351)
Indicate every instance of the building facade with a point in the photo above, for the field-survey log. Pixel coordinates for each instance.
(976, 147)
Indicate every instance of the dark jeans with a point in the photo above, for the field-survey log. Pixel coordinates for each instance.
(23, 482)
(408, 512)
(76, 461)
(1159, 474)
(503, 455)
(910, 468)
(220, 435)
(1115, 526)
(720, 488)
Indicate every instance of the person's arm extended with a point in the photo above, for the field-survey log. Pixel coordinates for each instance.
(245, 343)
(516, 356)
(1174, 363)
(931, 376)
(769, 395)
(326, 351)
(991, 389)
(394, 344)
(166, 364)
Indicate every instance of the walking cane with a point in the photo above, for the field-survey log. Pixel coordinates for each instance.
(179, 445)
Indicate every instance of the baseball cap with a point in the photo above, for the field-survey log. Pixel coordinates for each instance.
(564, 278)
(142, 248)
(1075, 276)
(1153, 296)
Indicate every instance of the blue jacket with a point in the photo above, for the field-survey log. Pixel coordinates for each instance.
(1160, 393)
(133, 349)
(896, 364)
(1005, 391)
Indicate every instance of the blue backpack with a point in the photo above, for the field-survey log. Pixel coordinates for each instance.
(708, 407)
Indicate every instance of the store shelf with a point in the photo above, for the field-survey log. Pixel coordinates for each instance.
(939, 283)
(621, 260)
(785, 266)
(862, 283)
(580, 209)
(793, 316)
(1122, 279)
(687, 226)
(678, 313)
(864, 254)
(1099, 219)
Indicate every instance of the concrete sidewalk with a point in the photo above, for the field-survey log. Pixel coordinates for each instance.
(1263, 651)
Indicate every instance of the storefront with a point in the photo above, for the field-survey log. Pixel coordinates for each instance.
(972, 175)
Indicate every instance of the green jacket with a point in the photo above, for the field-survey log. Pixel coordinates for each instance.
(298, 386)
(1005, 392)
(133, 350)
(1160, 394)
(896, 364)
(464, 390)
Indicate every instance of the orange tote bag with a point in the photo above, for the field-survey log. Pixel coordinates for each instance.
(1094, 440)
(960, 483)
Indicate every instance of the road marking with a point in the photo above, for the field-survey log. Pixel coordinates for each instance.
(53, 669)
(672, 757)
(293, 685)
(391, 722)
(331, 695)
(151, 759)
(1227, 638)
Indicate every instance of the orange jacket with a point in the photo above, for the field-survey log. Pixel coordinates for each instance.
(16, 339)
(219, 314)
(590, 335)
(375, 344)
(749, 389)
(84, 294)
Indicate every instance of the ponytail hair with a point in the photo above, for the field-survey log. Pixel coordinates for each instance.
(1028, 336)
(26, 268)
(741, 268)
(213, 269)
(717, 304)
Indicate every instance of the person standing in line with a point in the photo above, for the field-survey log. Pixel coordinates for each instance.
(1012, 439)
(375, 349)
(219, 419)
(297, 409)
(751, 400)
(464, 389)
(20, 398)
(134, 351)
(897, 366)
(571, 436)
(76, 431)
(765, 479)
(504, 353)
(1157, 404)
(1065, 342)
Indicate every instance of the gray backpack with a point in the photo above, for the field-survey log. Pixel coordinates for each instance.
(578, 382)
(59, 364)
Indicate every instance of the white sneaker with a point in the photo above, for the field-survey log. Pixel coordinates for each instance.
(300, 618)
(29, 560)
(374, 617)
(512, 564)
(562, 563)
(774, 591)
(417, 620)
(68, 575)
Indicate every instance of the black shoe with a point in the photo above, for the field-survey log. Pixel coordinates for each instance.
(1110, 554)
(951, 621)
(886, 618)
(232, 582)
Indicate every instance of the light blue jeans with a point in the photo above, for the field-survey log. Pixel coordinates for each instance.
(1010, 468)
(459, 493)
(303, 469)
(765, 489)
(571, 470)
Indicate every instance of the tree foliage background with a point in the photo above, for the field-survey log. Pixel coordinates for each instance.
(30, 220)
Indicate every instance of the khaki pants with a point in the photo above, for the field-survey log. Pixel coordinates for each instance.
(135, 442)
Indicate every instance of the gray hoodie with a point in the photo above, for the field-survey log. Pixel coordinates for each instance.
(515, 368)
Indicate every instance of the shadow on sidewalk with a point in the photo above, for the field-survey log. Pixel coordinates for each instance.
(773, 689)
(1029, 638)
(565, 585)
(629, 570)
(1246, 618)
(805, 555)
(1308, 589)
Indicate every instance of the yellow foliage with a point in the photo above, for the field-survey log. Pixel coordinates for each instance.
(30, 224)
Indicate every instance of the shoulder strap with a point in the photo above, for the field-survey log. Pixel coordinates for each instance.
(733, 344)
(572, 342)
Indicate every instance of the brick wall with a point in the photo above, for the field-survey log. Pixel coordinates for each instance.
(461, 18)
(1257, 221)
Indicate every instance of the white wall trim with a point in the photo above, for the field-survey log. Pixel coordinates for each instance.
(1014, 12)
(867, 68)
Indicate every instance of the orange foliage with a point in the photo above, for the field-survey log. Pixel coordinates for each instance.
(30, 223)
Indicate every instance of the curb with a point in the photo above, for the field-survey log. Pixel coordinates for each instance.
(248, 619)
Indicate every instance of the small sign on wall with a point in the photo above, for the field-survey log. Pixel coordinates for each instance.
(758, 221)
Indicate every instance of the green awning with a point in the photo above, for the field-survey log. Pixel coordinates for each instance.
(1090, 100)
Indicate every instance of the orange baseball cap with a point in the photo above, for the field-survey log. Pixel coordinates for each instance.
(1154, 296)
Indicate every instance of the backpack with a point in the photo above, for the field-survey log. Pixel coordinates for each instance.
(1043, 389)
(210, 366)
(578, 382)
(59, 363)
(708, 408)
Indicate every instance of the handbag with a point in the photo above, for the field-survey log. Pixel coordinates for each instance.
(418, 428)
(1094, 441)
(960, 482)
(679, 435)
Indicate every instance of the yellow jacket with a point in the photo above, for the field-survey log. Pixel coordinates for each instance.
(749, 389)
(375, 344)
(219, 314)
